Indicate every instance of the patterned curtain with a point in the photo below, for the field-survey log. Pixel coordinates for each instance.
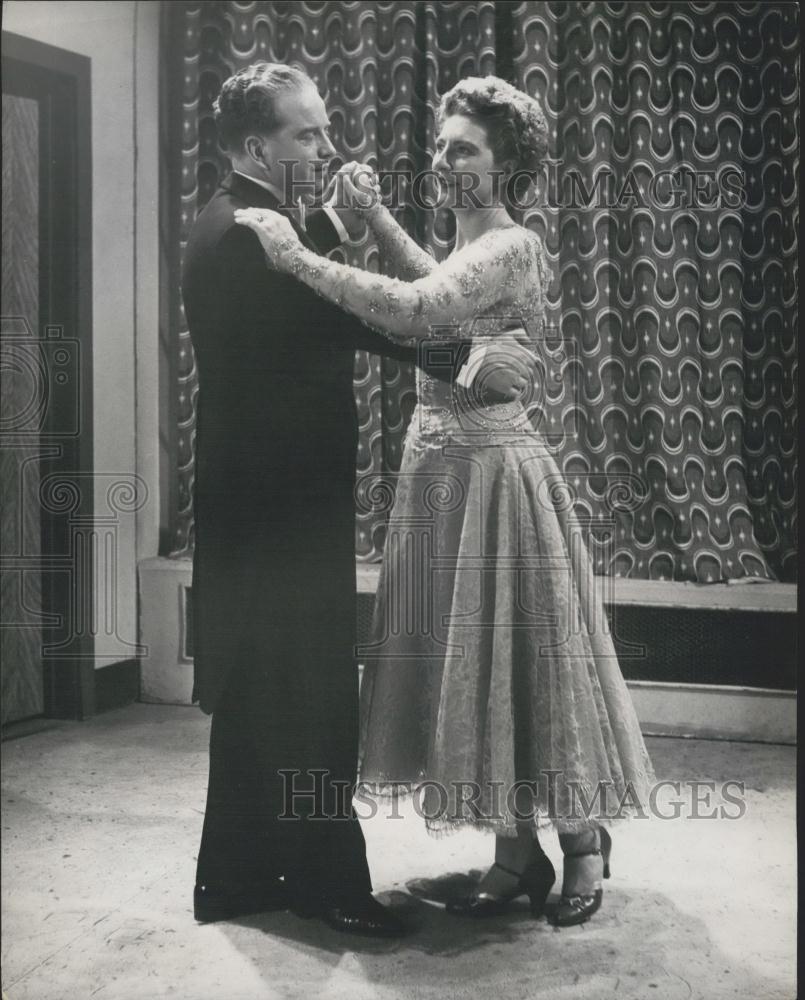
(674, 416)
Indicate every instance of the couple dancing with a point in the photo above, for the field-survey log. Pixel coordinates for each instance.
(490, 668)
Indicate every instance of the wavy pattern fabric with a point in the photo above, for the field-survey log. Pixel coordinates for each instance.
(673, 416)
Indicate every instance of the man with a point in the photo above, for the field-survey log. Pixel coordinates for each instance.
(274, 563)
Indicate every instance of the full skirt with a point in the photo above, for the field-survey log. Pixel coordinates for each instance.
(491, 669)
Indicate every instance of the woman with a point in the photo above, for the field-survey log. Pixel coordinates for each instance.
(491, 672)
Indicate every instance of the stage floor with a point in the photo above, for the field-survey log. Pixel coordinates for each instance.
(101, 822)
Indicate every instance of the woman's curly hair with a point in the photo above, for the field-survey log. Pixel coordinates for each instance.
(515, 124)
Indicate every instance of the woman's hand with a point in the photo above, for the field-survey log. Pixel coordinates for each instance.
(502, 366)
(274, 231)
(353, 192)
(509, 369)
(356, 188)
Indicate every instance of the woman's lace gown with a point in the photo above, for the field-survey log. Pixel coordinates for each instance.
(490, 661)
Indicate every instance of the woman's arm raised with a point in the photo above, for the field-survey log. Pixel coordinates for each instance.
(492, 269)
(403, 253)
(357, 188)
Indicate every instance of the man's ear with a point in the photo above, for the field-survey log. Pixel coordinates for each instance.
(254, 147)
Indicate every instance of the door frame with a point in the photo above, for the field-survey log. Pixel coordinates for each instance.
(65, 296)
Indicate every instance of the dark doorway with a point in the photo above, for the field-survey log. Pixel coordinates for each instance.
(45, 383)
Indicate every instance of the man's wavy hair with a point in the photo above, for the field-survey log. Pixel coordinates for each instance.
(515, 125)
(245, 105)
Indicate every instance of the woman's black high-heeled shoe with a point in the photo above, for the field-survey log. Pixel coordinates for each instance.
(577, 908)
(535, 882)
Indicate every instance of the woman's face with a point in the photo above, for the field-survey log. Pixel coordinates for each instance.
(466, 165)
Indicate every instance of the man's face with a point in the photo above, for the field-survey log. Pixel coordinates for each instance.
(302, 139)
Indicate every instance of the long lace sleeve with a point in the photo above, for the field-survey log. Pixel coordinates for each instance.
(404, 254)
(491, 270)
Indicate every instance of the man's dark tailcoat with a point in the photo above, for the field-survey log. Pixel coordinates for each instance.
(274, 562)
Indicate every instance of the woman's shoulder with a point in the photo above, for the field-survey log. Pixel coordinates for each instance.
(511, 235)
(521, 252)
(508, 243)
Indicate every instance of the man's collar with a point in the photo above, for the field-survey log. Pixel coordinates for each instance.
(246, 190)
(278, 194)
(240, 185)
(259, 195)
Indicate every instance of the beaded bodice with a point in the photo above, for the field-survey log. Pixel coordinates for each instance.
(491, 289)
(445, 412)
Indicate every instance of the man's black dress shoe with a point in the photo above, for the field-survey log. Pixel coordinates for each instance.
(224, 901)
(364, 915)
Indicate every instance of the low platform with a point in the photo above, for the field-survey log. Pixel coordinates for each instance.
(707, 660)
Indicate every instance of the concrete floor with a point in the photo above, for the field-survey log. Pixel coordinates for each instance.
(101, 821)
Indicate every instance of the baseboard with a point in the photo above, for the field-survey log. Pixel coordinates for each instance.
(117, 685)
(167, 662)
(715, 712)
(29, 727)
